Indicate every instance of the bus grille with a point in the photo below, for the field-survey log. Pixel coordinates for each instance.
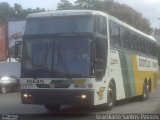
(43, 85)
(55, 86)
(61, 86)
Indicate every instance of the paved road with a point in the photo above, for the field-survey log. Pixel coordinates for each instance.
(11, 104)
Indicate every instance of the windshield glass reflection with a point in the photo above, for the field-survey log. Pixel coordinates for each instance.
(56, 58)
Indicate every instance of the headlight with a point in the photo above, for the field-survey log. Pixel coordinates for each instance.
(83, 96)
(5, 78)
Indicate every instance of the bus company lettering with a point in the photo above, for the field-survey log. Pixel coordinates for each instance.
(144, 63)
(147, 63)
(155, 65)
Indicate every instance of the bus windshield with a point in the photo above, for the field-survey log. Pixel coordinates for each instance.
(60, 24)
(63, 57)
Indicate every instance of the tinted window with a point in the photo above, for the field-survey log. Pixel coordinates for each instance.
(125, 38)
(134, 42)
(56, 58)
(101, 58)
(154, 52)
(148, 47)
(114, 34)
(141, 44)
(154, 49)
(101, 26)
(61, 24)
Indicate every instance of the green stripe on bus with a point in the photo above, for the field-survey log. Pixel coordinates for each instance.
(125, 74)
(131, 74)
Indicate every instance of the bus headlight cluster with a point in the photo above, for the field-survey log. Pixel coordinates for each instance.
(83, 96)
(25, 95)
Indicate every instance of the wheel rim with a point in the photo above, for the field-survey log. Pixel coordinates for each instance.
(110, 97)
(4, 90)
(144, 94)
(145, 91)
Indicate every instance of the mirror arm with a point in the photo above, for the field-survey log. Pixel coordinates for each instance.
(17, 51)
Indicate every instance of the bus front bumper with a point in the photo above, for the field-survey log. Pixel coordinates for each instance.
(57, 97)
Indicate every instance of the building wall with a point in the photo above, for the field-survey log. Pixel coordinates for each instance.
(3, 46)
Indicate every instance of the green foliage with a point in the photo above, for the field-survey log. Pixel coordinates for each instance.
(65, 5)
(17, 12)
(5, 11)
(121, 11)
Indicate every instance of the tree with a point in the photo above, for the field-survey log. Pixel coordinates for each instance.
(5, 12)
(13, 13)
(64, 5)
(85, 4)
(121, 11)
(18, 8)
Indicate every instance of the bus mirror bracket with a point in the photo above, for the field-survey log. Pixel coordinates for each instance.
(17, 52)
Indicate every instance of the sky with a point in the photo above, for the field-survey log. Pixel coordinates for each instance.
(150, 9)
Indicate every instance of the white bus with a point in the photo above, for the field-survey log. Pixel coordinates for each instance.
(83, 58)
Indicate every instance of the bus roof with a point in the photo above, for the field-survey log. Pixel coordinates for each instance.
(66, 13)
(88, 12)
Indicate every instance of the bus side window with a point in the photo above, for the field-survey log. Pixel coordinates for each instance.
(148, 47)
(134, 42)
(101, 25)
(141, 44)
(154, 50)
(114, 35)
(151, 45)
(125, 38)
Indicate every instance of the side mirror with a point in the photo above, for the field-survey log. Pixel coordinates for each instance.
(18, 49)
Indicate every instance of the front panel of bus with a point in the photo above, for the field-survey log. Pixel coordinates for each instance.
(62, 58)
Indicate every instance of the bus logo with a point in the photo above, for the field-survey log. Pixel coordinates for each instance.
(101, 92)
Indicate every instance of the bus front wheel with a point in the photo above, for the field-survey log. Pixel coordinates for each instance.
(111, 96)
(52, 108)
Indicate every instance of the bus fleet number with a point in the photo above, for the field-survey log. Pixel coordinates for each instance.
(35, 81)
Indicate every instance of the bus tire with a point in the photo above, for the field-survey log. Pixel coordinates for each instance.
(145, 94)
(111, 96)
(52, 108)
(149, 85)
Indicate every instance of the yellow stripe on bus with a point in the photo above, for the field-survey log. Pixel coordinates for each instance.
(140, 76)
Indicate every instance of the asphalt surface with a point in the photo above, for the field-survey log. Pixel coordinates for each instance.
(10, 104)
